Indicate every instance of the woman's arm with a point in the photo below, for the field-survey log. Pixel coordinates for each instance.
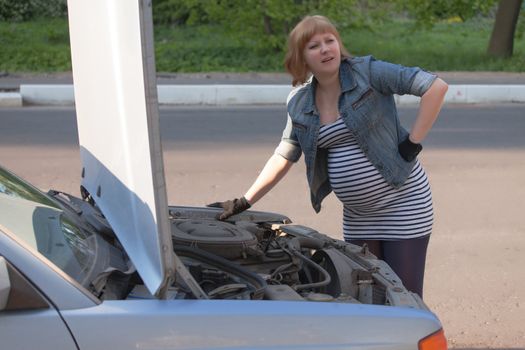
(429, 108)
(275, 169)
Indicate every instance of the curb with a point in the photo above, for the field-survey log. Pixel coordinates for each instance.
(225, 95)
(232, 95)
(48, 95)
(10, 99)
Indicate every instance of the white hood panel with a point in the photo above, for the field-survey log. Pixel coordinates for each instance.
(117, 116)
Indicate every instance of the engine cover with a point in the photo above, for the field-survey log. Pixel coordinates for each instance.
(217, 237)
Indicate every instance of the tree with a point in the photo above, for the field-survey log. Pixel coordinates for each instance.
(502, 39)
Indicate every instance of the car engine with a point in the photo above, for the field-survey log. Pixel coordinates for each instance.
(251, 256)
(258, 255)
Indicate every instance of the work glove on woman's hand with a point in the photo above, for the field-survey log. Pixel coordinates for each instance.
(409, 150)
(231, 207)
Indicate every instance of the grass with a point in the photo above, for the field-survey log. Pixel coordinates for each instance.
(39, 46)
(447, 47)
(43, 46)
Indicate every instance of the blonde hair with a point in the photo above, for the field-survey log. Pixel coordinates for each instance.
(299, 36)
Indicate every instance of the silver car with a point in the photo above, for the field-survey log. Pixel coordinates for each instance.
(116, 267)
(260, 282)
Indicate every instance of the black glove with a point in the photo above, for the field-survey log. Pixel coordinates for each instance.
(409, 150)
(231, 207)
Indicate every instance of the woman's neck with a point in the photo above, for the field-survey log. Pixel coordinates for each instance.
(326, 99)
(328, 84)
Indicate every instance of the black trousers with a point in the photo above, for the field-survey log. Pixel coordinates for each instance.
(406, 257)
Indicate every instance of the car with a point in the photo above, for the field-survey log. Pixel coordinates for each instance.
(117, 267)
(257, 281)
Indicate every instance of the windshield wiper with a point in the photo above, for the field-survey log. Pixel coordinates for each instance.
(65, 199)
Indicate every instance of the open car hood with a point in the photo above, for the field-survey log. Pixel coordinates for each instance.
(117, 115)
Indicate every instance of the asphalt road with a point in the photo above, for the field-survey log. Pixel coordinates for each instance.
(465, 127)
(474, 157)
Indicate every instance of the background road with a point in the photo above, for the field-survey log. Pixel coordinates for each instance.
(474, 157)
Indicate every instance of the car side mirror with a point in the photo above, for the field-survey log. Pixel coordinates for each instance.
(5, 283)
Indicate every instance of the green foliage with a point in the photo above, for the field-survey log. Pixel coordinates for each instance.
(36, 46)
(208, 48)
(448, 46)
(520, 29)
(14, 10)
(201, 41)
(180, 12)
(266, 23)
(24, 10)
(429, 12)
(457, 46)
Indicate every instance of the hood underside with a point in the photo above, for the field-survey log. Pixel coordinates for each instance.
(117, 117)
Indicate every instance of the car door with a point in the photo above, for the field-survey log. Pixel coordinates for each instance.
(28, 320)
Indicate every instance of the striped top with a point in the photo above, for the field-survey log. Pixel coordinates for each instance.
(372, 209)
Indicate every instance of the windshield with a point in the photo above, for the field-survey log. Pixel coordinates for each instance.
(40, 222)
(12, 185)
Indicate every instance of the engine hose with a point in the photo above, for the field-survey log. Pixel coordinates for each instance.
(322, 283)
(253, 279)
(281, 269)
(305, 242)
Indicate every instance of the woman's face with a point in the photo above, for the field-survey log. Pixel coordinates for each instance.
(322, 54)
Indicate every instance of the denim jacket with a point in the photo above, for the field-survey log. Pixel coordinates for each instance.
(368, 109)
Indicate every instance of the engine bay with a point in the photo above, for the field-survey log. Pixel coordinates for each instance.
(258, 255)
(251, 256)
